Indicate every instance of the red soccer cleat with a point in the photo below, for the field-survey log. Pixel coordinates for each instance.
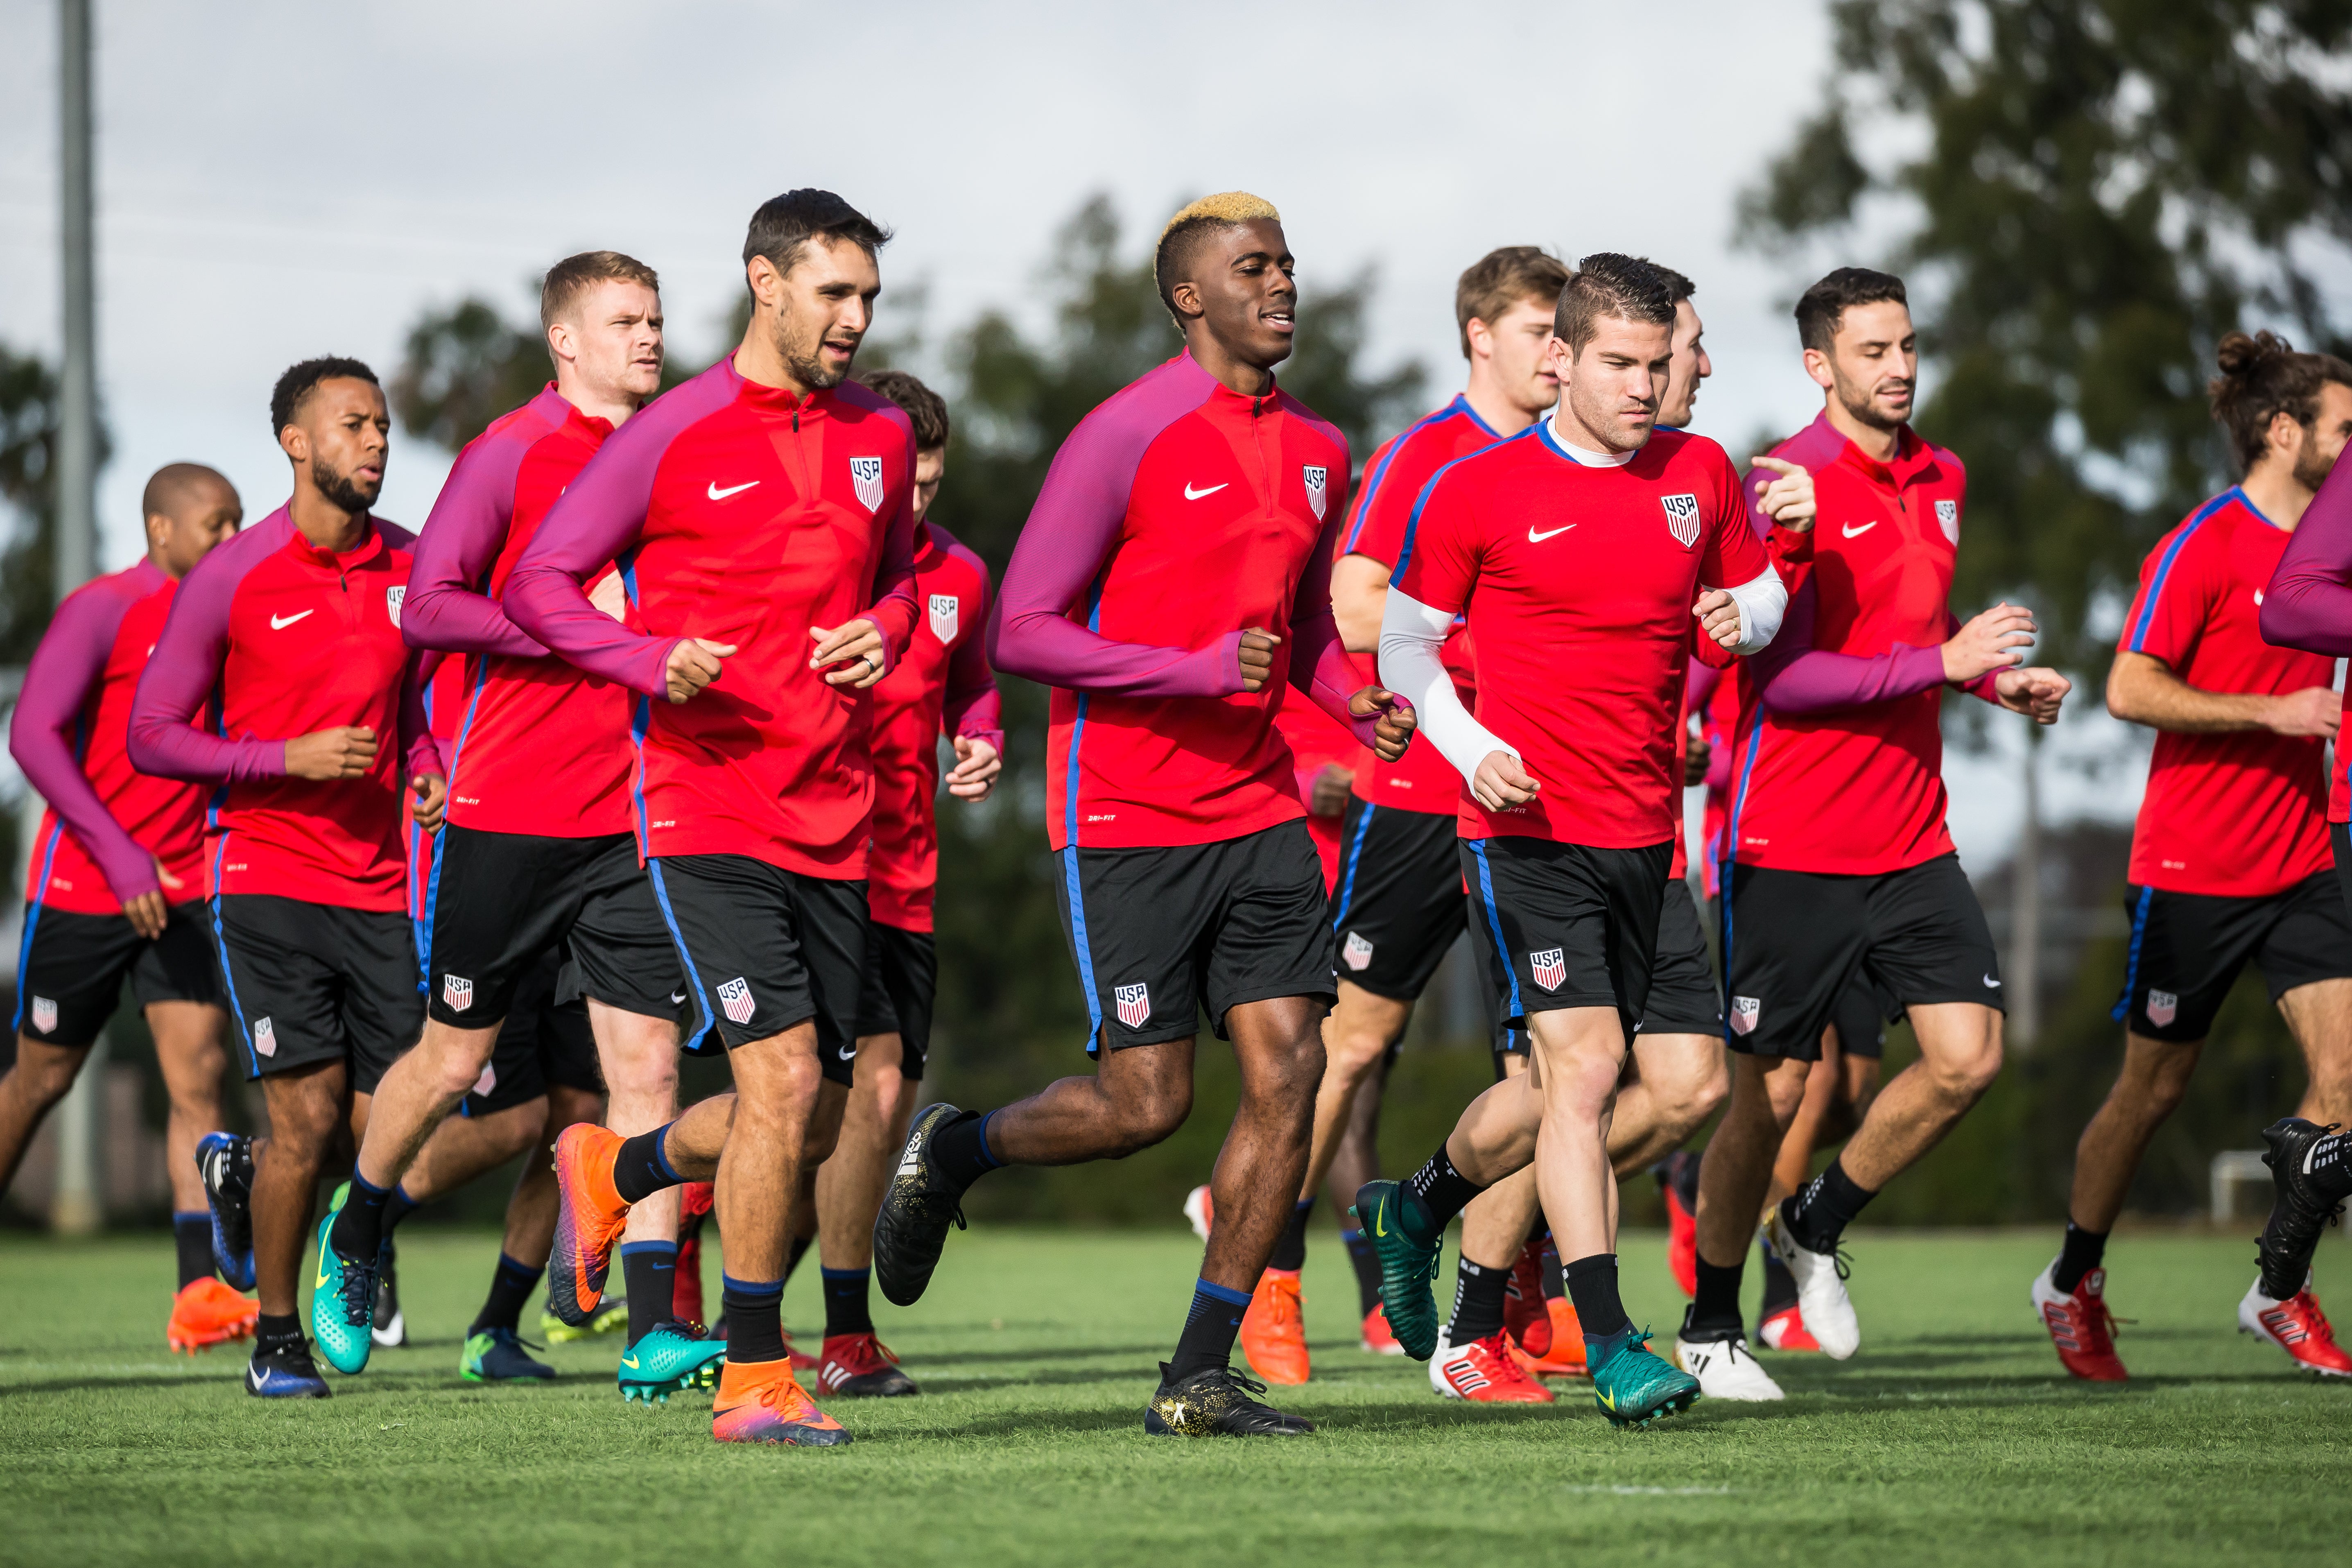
(1681, 1242)
(1783, 1329)
(589, 1214)
(860, 1366)
(1200, 1211)
(1486, 1372)
(2297, 1326)
(2080, 1325)
(206, 1312)
(1525, 1318)
(761, 1402)
(1378, 1338)
(1567, 1357)
(1274, 1335)
(694, 1204)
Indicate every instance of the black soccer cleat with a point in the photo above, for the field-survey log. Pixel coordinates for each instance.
(1216, 1400)
(225, 1165)
(917, 1209)
(2304, 1201)
(285, 1371)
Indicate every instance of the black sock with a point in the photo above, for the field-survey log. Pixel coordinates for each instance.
(192, 1240)
(649, 1280)
(794, 1252)
(1477, 1302)
(1717, 1305)
(639, 1170)
(1592, 1286)
(2329, 1166)
(276, 1333)
(961, 1149)
(1367, 1265)
(398, 1207)
(755, 1323)
(1554, 1287)
(847, 1309)
(1818, 1215)
(2080, 1253)
(1433, 1197)
(1290, 1247)
(1779, 1284)
(1207, 1337)
(511, 1284)
(358, 1231)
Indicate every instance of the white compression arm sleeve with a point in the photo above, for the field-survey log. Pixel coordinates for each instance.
(1761, 603)
(1411, 636)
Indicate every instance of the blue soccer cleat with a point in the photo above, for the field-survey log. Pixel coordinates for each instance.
(224, 1160)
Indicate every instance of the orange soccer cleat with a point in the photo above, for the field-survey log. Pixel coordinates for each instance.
(1274, 1336)
(1525, 1318)
(589, 1214)
(1487, 1371)
(206, 1312)
(1566, 1358)
(762, 1402)
(1378, 1338)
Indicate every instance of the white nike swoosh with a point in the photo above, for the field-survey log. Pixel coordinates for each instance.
(1991, 984)
(849, 1053)
(276, 625)
(1535, 538)
(1191, 494)
(675, 997)
(1852, 532)
(718, 494)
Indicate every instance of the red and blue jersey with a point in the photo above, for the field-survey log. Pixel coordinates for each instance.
(2240, 814)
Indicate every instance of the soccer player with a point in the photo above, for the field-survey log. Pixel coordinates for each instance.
(2230, 855)
(941, 686)
(765, 514)
(293, 628)
(538, 850)
(1174, 575)
(116, 871)
(1837, 861)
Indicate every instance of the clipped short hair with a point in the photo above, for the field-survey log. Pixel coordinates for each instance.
(1182, 238)
(2263, 377)
(1502, 279)
(785, 225)
(294, 388)
(1821, 309)
(1678, 288)
(573, 276)
(169, 486)
(926, 410)
(1608, 284)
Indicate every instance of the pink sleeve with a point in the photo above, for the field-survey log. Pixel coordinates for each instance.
(461, 542)
(60, 682)
(1319, 663)
(1699, 690)
(972, 706)
(1067, 544)
(1794, 676)
(419, 751)
(182, 672)
(2308, 603)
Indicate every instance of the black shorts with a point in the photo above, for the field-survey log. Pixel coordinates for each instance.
(1862, 1015)
(1400, 902)
(765, 949)
(1683, 996)
(2186, 949)
(1566, 925)
(70, 969)
(316, 982)
(545, 1043)
(902, 980)
(1160, 934)
(499, 901)
(1794, 941)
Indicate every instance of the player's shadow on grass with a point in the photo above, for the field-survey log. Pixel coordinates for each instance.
(1142, 1377)
(1070, 1352)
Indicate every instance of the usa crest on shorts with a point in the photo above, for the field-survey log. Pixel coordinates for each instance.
(735, 999)
(1317, 483)
(944, 608)
(265, 1038)
(2163, 1008)
(1356, 951)
(1744, 1011)
(391, 599)
(865, 477)
(1550, 968)
(45, 1014)
(1134, 1005)
(1947, 518)
(457, 992)
(488, 1080)
(1681, 518)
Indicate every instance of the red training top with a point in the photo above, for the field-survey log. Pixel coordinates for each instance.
(744, 514)
(1317, 740)
(2242, 814)
(106, 823)
(942, 683)
(1579, 583)
(294, 639)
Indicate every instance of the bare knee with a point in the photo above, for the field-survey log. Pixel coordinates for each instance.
(43, 1073)
(1692, 1093)
(1142, 1115)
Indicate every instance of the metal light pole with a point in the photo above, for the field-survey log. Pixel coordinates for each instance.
(79, 1207)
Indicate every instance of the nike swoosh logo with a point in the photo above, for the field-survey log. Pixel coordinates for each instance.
(320, 1282)
(1853, 532)
(1380, 1219)
(1991, 984)
(279, 624)
(1535, 538)
(718, 494)
(849, 1053)
(675, 997)
(629, 1361)
(1608, 1399)
(1191, 494)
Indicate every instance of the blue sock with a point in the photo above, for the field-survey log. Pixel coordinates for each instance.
(359, 1226)
(846, 1308)
(1207, 1337)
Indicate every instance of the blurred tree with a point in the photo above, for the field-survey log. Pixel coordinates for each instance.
(28, 436)
(462, 368)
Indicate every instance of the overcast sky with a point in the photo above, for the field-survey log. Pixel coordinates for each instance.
(278, 180)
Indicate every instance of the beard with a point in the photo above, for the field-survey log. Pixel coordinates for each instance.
(1859, 402)
(342, 489)
(803, 359)
(2312, 468)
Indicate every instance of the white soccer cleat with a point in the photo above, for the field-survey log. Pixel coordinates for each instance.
(1725, 1371)
(1201, 1210)
(1437, 1382)
(1821, 1299)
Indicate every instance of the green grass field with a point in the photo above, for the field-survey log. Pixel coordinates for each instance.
(1952, 1436)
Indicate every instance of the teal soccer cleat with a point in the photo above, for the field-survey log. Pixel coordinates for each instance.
(1634, 1387)
(342, 1301)
(672, 1355)
(1407, 1267)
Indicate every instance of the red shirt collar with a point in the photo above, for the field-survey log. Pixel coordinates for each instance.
(1912, 457)
(370, 546)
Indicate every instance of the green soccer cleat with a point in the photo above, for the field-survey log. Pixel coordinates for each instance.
(343, 1300)
(671, 1355)
(1407, 1267)
(498, 1356)
(1634, 1387)
(611, 1316)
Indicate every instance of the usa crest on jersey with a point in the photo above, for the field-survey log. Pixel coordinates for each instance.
(1134, 1005)
(735, 999)
(457, 992)
(45, 1014)
(1550, 968)
(392, 597)
(1947, 517)
(1356, 952)
(2163, 1008)
(944, 608)
(1317, 483)
(865, 476)
(1681, 518)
